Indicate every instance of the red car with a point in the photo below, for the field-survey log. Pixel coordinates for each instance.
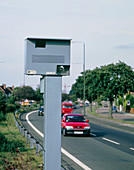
(74, 123)
(66, 108)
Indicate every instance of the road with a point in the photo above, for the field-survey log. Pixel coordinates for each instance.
(111, 146)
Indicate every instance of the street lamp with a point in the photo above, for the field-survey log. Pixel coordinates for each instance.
(83, 43)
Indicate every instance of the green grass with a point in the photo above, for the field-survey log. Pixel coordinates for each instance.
(16, 154)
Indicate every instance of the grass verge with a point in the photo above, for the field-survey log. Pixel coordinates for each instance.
(14, 152)
(101, 116)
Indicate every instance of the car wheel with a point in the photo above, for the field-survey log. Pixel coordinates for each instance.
(88, 134)
(64, 132)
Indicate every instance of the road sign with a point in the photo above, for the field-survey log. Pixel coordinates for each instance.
(128, 103)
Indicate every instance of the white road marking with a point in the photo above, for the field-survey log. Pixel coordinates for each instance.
(41, 134)
(132, 149)
(129, 125)
(75, 159)
(111, 141)
(62, 150)
(92, 134)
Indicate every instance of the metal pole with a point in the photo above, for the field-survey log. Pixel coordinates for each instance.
(37, 148)
(24, 80)
(22, 130)
(25, 132)
(84, 78)
(52, 120)
(32, 142)
(84, 111)
(28, 136)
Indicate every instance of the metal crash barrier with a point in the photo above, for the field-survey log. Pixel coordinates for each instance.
(34, 143)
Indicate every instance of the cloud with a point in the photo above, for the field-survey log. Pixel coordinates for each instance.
(123, 47)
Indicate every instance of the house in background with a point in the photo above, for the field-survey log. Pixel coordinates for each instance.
(6, 90)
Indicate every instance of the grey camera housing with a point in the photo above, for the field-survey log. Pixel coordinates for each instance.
(45, 56)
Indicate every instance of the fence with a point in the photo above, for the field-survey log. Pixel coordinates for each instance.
(30, 139)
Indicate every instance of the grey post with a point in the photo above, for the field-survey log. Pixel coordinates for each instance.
(32, 142)
(84, 78)
(27, 136)
(22, 130)
(16, 122)
(52, 128)
(25, 132)
(37, 148)
(19, 127)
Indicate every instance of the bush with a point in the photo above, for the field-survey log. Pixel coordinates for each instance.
(34, 105)
(10, 108)
(8, 146)
(2, 116)
(17, 105)
(2, 139)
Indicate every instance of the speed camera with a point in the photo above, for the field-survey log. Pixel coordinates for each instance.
(45, 56)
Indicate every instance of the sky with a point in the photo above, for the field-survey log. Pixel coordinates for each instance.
(106, 27)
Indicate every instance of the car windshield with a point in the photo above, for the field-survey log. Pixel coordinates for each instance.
(75, 119)
(67, 106)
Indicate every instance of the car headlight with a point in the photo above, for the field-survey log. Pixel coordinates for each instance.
(69, 127)
(87, 127)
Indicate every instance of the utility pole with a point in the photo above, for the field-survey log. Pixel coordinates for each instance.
(83, 43)
(84, 77)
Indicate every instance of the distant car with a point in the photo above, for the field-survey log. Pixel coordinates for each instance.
(81, 104)
(74, 123)
(105, 105)
(114, 108)
(41, 111)
(66, 108)
(74, 106)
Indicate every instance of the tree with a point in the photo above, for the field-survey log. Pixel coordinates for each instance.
(73, 97)
(39, 96)
(25, 92)
(65, 97)
(2, 106)
(77, 88)
(130, 98)
(11, 99)
(109, 82)
(92, 92)
(117, 80)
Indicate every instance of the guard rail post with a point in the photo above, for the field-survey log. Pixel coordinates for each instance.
(22, 130)
(28, 137)
(19, 128)
(37, 148)
(32, 142)
(25, 131)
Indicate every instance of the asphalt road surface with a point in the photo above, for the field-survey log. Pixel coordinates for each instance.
(110, 146)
